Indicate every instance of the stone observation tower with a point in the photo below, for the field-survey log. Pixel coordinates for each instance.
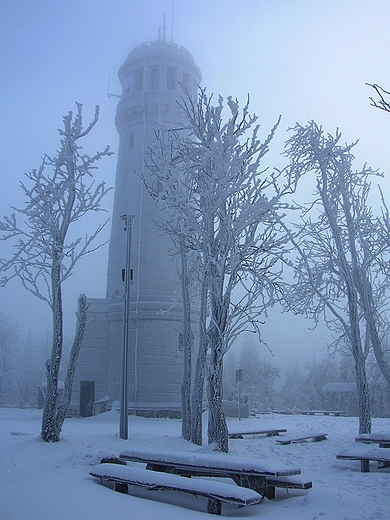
(153, 77)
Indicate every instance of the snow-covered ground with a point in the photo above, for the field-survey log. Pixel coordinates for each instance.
(40, 481)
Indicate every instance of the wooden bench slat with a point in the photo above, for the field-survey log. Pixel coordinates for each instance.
(293, 482)
(207, 463)
(314, 437)
(268, 433)
(165, 481)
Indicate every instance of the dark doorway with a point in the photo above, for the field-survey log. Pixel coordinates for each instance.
(87, 397)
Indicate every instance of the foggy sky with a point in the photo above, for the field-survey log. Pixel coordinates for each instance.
(302, 59)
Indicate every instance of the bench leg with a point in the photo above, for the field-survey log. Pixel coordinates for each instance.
(365, 466)
(258, 484)
(121, 487)
(214, 506)
(270, 493)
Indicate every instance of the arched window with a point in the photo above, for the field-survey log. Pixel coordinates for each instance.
(180, 342)
(171, 78)
(131, 141)
(154, 76)
(138, 79)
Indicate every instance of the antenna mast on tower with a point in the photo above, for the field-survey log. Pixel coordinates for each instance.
(173, 12)
(161, 30)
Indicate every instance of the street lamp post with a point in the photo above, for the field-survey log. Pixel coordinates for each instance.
(124, 419)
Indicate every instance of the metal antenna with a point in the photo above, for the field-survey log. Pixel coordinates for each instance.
(109, 94)
(161, 30)
(173, 13)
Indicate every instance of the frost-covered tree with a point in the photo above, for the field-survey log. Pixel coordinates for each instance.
(30, 367)
(318, 374)
(57, 195)
(259, 377)
(9, 336)
(379, 389)
(209, 176)
(292, 394)
(382, 100)
(338, 250)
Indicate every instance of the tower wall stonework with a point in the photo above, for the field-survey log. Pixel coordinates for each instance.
(154, 77)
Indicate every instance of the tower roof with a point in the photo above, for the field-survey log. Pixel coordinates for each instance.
(160, 46)
(160, 50)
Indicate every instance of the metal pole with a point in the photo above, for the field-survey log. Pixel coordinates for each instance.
(124, 418)
(239, 379)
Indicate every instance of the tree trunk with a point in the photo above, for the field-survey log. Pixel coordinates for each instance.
(217, 427)
(187, 343)
(49, 431)
(197, 395)
(363, 396)
(78, 339)
(360, 362)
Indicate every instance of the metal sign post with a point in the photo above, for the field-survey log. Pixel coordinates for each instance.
(239, 379)
(124, 418)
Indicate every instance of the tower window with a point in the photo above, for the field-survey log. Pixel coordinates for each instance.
(138, 79)
(154, 77)
(171, 78)
(180, 342)
(187, 83)
(131, 141)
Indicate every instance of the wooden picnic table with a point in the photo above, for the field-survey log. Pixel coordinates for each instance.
(312, 437)
(295, 411)
(268, 433)
(215, 491)
(380, 438)
(365, 454)
(246, 472)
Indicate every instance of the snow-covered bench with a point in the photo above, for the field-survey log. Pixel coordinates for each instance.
(336, 413)
(365, 454)
(216, 492)
(380, 438)
(252, 473)
(313, 437)
(267, 433)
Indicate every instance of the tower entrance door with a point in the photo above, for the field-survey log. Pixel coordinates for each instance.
(87, 397)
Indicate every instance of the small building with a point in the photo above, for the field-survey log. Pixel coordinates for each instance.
(342, 396)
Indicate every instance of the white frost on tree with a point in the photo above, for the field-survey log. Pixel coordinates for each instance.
(9, 336)
(57, 195)
(338, 270)
(209, 177)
